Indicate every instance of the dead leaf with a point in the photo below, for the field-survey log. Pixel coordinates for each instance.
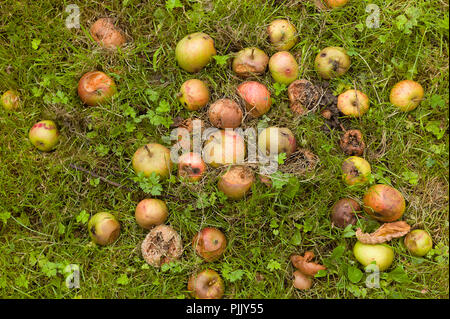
(385, 233)
(305, 265)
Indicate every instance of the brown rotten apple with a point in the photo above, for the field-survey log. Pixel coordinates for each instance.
(343, 212)
(224, 147)
(250, 61)
(151, 158)
(283, 67)
(191, 166)
(303, 96)
(352, 143)
(95, 88)
(355, 170)
(206, 284)
(236, 182)
(194, 51)
(193, 94)
(384, 203)
(332, 62)
(406, 95)
(256, 97)
(105, 33)
(161, 245)
(353, 103)
(225, 113)
(209, 243)
(150, 212)
(282, 34)
(103, 228)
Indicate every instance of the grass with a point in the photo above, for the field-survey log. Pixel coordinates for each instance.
(45, 203)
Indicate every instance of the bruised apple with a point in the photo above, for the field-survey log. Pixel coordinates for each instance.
(195, 51)
(418, 242)
(283, 67)
(10, 100)
(206, 284)
(193, 94)
(105, 33)
(209, 243)
(191, 166)
(406, 95)
(44, 135)
(382, 255)
(353, 103)
(150, 212)
(282, 34)
(103, 228)
(332, 62)
(225, 113)
(355, 170)
(384, 203)
(224, 147)
(236, 182)
(275, 140)
(95, 88)
(152, 157)
(250, 61)
(256, 97)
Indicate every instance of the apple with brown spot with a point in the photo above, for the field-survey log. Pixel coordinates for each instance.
(418, 242)
(103, 228)
(236, 182)
(225, 113)
(283, 67)
(105, 33)
(355, 171)
(206, 284)
(209, 243)
(343, 212)
(332, 62)
(95, 88)
(191, 166)
(193, 94)
(250, 61)
(282, 34)
(10, 100)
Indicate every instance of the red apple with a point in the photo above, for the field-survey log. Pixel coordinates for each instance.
(343, 212)
(194, 51)
(206, 284)
(224, 147)
(191, 166)
(250, 61)
(283, 67)
(384, 203)
(256, 97)
(236, 182)
(282, 34)
(105, 33)
(418, 242)
(355, 170)
(225, 113)
(103, 228)
(353, 103)
(209, 243)
(95, 88)
(44, 135)
(193, 94)
(275, 140)
(406, 95)
(10, 100)
(150, 212)
(151, 158)
(332, 62)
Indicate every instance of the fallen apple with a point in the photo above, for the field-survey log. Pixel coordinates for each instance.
(150, 212)
(283, 67)
(225, 113)
(353, 103)
(95, 88)
(250, 61)
(355, 171)
(343, 212)
(103, 228)
(10, 100)
(332, 62)
(151, 158)
(406, 95)
(236, 182)
(384, 203)
(303, 96)
(273, 141)
(382, 255)
(193, 94)
(206, 284)
(162, 245)
(105, 33)
(418, 242)
(282, 34)
(191, 166)
(194, 51)
(256, 97)
(209, 243)
(44, 135)
(336, 3)
(224, 147)
(352, 143)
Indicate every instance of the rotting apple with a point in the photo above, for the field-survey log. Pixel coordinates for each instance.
(332, 62)
(283, 67)
(195, 51)
(250, 61)
(352, 143)
(193, 94)
(282, 34)
(418, 242)
(105, 33)
(225, 113)
(162, 245)
(353, 103)
(209, 243)
(10, 100)
(95, 88)
(366, 254)
(206, 284)
(303, 96)
(384, 203)
(103, 228)
(236, 182)
(191, 166)
(343, 212)
(336, 3)
(406, 95)
(150, 212)
(275, 140)
(355, 170)
(302, 281)
(256, 97)
(224, 147)
(152, 157)
(44, 135)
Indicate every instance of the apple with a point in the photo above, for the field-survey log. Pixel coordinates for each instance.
(282, 34)
(225, 113)
(336, 3)
(302, 281)
(283, 67)
(95, 88)
(150, 212)
(256, 97)
(206, 284)
(105, 33)
(353, 103)
(209, 243)
(250, 61)
(152, 157)
(355, 171)
(275, 140)
(418, 242)
(236, 182)
(224, 147)
(382, 255)
(44, 135)
(343, 212)
(194, 51)
(193, 94)
(10, 100)
(332, 62)
(103, 228)
(406, 95)
(191, 166)
(162, 245)
(384, 203)
(352, 143)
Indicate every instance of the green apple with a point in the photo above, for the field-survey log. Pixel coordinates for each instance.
(194, 51)
(44, 135)
(418, 242)
(103, 228)
(275, 140)
(355, 170)
(193, 94)
(382, 255)
(152, 157)
(283, 67)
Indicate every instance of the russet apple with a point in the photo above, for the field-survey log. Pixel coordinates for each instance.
(236, 182)
(225, 113)
(105, 33)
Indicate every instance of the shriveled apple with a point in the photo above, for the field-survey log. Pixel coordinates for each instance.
(152, 157)
(256, 97)
(195, 51)
(105, 33)
(161, 245)
(384, 203)
(191, 166)
(209, 243)
(225, 113)
(193, 94)
(283, 67)
(236, 182)
(352, 143)
(250, 61)
(95, 88)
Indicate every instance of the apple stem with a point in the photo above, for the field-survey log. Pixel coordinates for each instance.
(252, 56)
(148, 151)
